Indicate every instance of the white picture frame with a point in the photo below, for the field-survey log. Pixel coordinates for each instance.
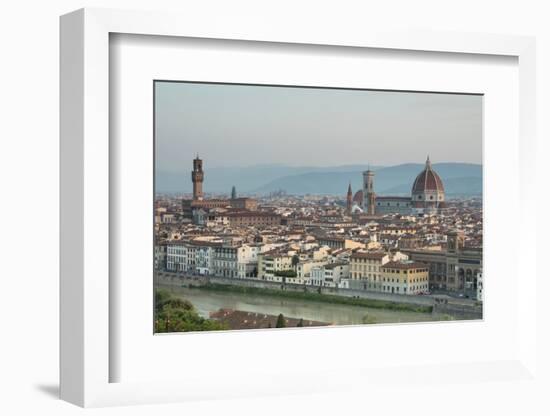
(86, 355)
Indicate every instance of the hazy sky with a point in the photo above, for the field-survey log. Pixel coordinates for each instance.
(241, 125)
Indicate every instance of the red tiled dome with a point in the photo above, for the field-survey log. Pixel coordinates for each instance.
(427, 180)
(358, 197)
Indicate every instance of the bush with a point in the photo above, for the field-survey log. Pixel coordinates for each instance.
(368, 319)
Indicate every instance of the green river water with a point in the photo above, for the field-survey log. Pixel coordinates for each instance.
(207, 301)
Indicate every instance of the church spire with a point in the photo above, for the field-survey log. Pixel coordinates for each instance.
(349, 199)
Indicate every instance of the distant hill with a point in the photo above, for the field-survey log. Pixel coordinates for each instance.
(458, 178)
(469, 185)
(246, 179)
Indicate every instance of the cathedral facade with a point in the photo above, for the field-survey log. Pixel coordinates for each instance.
(427, 195)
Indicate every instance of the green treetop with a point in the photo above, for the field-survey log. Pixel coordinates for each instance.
(280, 321)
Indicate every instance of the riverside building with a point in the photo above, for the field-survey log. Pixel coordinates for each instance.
(404, 277)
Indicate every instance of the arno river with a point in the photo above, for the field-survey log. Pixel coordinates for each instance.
(206, 301)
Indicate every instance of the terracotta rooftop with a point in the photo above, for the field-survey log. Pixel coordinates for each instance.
(252, 214)
(205, 243)
(330, 238)
(375, 255)
(235, 319)
(404, 265)
(336, 264)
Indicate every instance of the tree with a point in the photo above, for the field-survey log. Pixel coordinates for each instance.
(177, 303)
(233, 193)
(161, 297)
(300, 322)
(280, 321)
(295, 260)
(173, 314)
(285, 273)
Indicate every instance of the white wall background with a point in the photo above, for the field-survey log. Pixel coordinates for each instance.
(29, 205)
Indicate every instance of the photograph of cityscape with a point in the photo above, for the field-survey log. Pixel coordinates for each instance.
(286, 207)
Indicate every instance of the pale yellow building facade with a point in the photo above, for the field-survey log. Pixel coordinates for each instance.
(368, 266)
(405, 277)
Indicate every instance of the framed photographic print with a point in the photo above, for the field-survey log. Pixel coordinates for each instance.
(269, 212)
(295, 246)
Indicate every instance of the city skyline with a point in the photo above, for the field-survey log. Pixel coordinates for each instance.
(231, 256)
(352, 206)
(282, 125)
(463, 178)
